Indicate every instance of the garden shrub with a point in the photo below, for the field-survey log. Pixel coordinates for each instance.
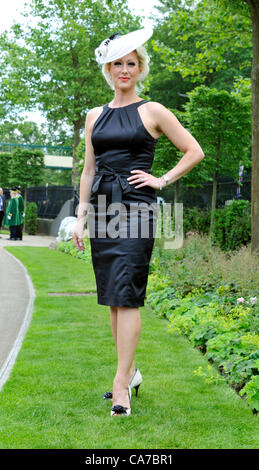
(251, 391)
(199, 289)
(196, 219)
(31, 221)
(70, 249)
(226, 332)
(232, 225)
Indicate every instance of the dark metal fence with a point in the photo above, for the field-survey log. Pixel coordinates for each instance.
(49, 200)
(201, 197)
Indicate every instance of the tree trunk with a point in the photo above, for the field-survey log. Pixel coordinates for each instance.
(213, 199)
(75, 174)
(254, 7)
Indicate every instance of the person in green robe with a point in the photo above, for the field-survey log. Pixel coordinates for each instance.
(12, 215)
(21, 213)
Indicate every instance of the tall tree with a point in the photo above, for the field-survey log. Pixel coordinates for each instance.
(245, 8)
(21, 132)
(226, 29)
(207, 43)
(221, 122)
(59, 72)
(254, 9)
(167, 86)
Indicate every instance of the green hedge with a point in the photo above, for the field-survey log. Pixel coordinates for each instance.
(5, 158)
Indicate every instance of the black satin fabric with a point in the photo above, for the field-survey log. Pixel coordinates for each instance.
(121, 144)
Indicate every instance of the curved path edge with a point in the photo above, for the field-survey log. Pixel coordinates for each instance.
(10, 360)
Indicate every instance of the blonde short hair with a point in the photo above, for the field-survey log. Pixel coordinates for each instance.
(143, 58)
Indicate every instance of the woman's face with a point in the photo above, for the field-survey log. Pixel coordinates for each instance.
(125, 71)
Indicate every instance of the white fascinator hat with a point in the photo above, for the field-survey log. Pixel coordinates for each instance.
(117, 46)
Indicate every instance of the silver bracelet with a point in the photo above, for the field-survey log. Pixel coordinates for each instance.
(165, 179)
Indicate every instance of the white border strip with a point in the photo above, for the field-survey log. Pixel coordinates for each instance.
(9, 362)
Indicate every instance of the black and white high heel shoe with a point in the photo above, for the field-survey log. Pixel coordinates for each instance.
(135, 382)
(122, 410)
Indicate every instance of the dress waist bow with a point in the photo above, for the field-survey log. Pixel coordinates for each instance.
(119, 186)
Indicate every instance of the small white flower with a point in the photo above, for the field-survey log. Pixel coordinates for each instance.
(253, 300)
(240, 300)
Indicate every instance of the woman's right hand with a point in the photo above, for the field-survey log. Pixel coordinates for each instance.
(78, 234)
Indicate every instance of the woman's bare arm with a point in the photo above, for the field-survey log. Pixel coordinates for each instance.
(163, 121)
(168, 123)
(86, 179)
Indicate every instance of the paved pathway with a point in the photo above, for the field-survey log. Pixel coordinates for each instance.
(28, 240)
(16, 300)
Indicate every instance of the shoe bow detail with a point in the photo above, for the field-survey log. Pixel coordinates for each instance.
(120, 410)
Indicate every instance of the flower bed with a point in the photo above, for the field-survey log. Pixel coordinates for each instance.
(220, 325)
(70, 249)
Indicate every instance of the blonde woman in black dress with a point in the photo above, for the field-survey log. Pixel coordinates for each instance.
(120, 144)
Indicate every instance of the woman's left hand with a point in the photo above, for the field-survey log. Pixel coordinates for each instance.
(145, 179)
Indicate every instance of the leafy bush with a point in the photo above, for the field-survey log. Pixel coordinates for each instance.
(31, 222)
(232, 225)
(196, 219)
(251, 391)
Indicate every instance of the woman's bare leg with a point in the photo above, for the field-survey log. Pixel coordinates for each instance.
(127, 336)
(113, 317)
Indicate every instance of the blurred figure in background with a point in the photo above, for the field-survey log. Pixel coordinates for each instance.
(12, 219)
(21, 213)
(2, 206)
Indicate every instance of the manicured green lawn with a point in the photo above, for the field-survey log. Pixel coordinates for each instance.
(53, 398)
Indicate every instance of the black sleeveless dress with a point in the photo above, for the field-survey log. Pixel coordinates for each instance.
(121, 219)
